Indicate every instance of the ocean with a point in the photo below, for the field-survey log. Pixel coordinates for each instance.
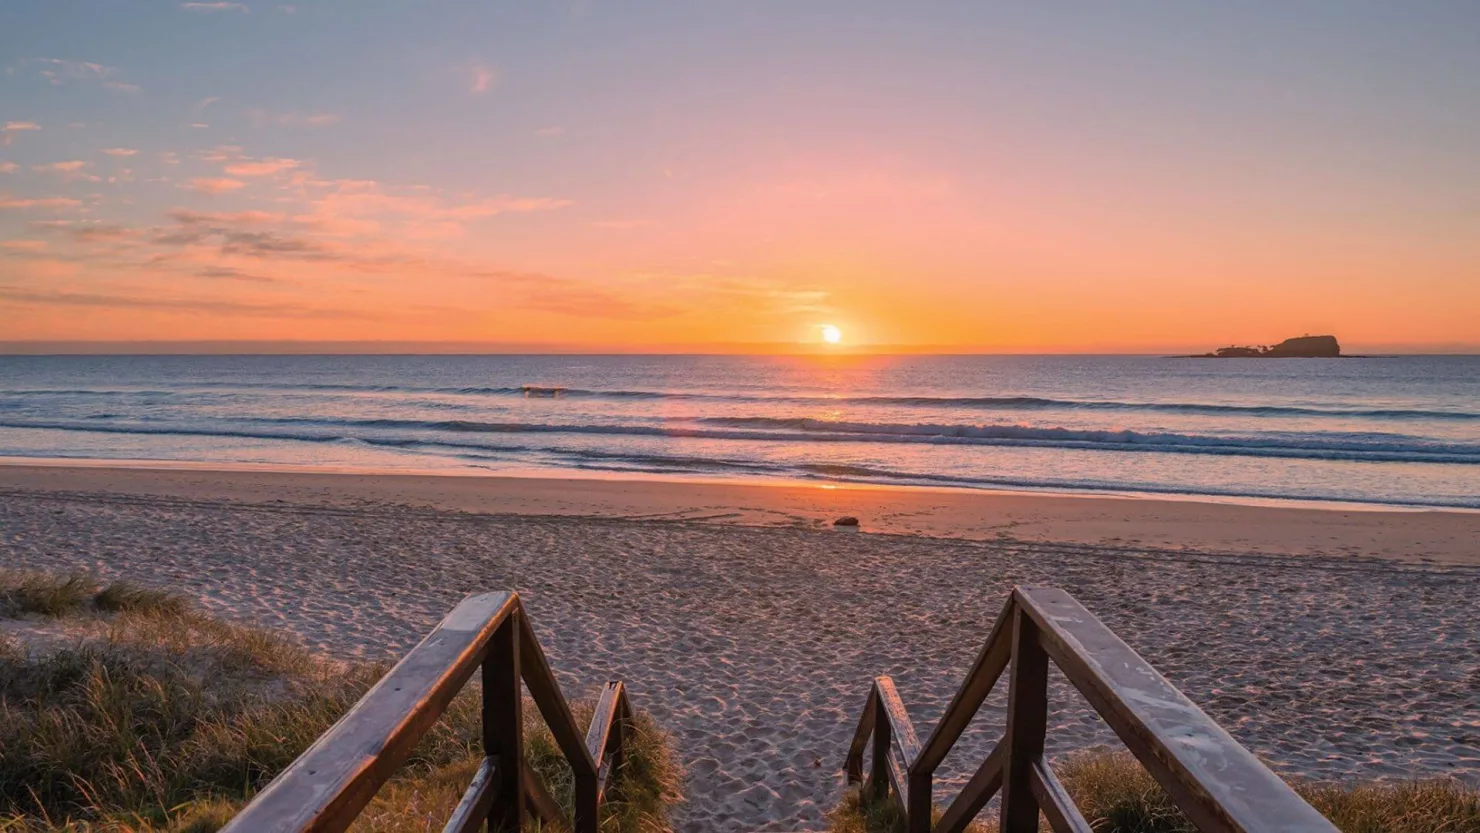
(1400, 431)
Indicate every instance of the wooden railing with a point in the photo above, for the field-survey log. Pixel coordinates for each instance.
(1219, 784)
(331, 782)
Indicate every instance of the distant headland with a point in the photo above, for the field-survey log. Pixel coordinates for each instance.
(1303, 347)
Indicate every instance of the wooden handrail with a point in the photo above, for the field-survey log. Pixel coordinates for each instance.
(328, 786)
(604, 739)
(1218, 783)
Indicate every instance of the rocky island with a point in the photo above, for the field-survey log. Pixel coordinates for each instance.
(1303, 347)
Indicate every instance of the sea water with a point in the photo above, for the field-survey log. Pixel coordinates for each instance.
(1401, 431)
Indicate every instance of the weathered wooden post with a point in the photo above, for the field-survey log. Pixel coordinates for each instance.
(503, 726)
(1027, 724)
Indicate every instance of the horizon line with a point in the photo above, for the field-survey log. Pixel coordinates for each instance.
(419, 347)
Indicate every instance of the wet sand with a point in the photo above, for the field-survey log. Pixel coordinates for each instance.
(751, 628)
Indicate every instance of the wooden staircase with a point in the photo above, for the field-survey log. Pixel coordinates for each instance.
(1219, 784)
(332, 782)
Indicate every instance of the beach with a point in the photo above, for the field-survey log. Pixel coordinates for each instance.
(1336, 642)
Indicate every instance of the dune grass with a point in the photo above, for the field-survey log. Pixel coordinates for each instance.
(158, 718)
(1117, 795)
(25, 592)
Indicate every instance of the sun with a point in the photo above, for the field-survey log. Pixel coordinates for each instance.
(831, 334)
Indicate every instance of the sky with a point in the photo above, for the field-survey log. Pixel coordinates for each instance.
(1064, 177)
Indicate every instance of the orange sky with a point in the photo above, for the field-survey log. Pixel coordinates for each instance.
(723, 179)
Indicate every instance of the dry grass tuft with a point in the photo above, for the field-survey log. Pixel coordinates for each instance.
(1117, 795)
(125, 596)
(1435, 806)
(27, 592)
(164, 720)
(23, 592)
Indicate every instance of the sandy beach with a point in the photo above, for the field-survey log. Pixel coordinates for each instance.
(1337, 643)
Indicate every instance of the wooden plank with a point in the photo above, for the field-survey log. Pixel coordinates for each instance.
(1063, 816)
(545, 692)
(602, 719)
(544, 805)
(980, 681)
(880, 776)
(472, 810)
(1217, 782)
(913, 791)
(984, 784)
(617, 749)
(325, 789)
(919, 803)
(503, 726)
(892, 707)
(898, 776)
(605, 731)
(853, 764)
(1027, 722)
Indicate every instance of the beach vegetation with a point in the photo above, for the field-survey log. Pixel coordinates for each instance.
(1117, 795)
(151, 716)
(44, 594)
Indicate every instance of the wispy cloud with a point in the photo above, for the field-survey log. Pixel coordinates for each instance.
(552, 130)
(60, 167)
(230, 218)
(211, 305)
(263, 117)
(7, 133)
(207, 101)
(214, 185)
(69, 170)
(481, 79)
(120, 151)
(226, 273)
(261, 167)
(8, 167)
(208, 8)
(90, 232)
(59, 71)
(38, 202)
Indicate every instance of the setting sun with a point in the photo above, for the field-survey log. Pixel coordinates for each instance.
(831, 334)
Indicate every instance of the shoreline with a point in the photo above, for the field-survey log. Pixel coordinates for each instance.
(1439, 537)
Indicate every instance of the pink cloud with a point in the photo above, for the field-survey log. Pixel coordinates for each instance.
(60, 167)
(210, 185)
(261, 167)
(482, 79)
(236, 218)
(7, 133)
(70, 170)
(38, 202)
(119, 151)
(8, 167)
